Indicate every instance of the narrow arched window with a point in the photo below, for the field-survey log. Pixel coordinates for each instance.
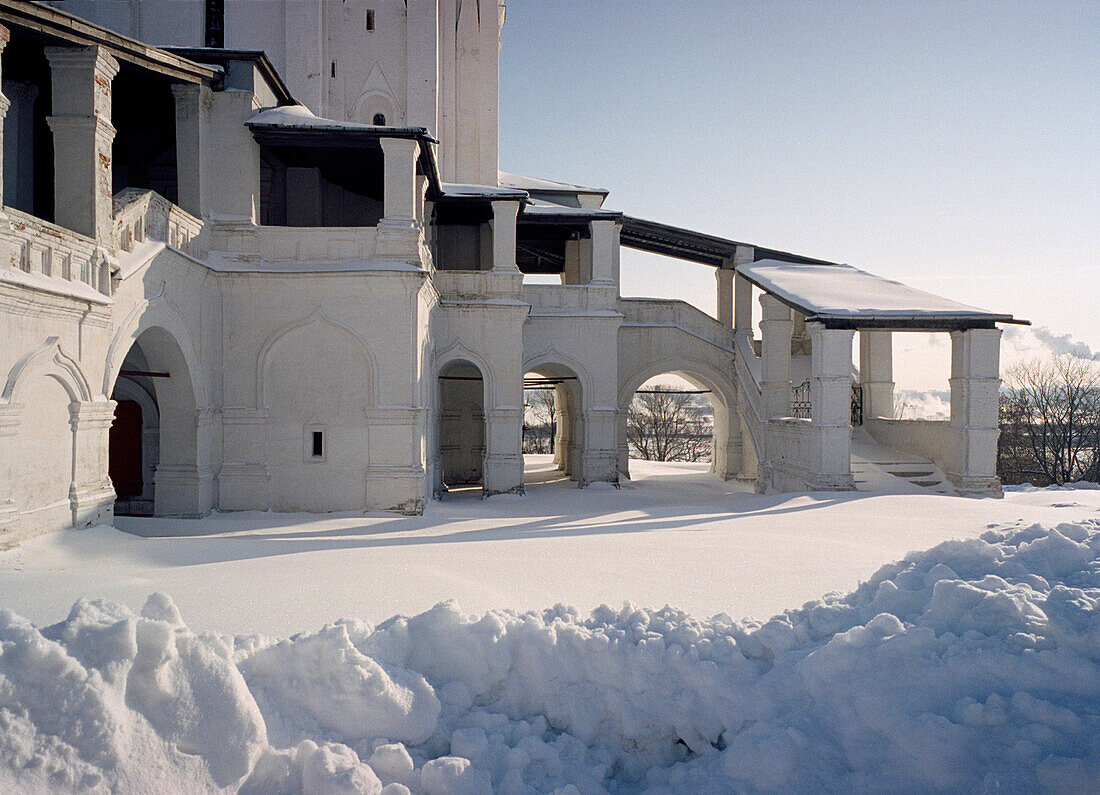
(380, 119)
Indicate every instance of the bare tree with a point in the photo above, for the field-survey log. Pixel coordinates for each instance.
(538, 421)
(668, 425)
(1050, 421)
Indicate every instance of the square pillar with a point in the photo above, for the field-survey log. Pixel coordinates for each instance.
(82, 137)
(830, 376)
(605, 244)
(742, 292)
(571, 272)
(975, 386)
(831, 407)
(192, 102)
(91, 495)
(5, 103)
(503, 469)
(504, 235)
(775, 355)
(724, 277)
(399, 193)
(399, 232)
(876, 372)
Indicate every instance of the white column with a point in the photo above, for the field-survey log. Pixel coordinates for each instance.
(775, 354)
(724, 277)
(82, 137)
(504, 235)
(399, 196)
(876, 372)
(11, 419)
(5, 103)
(192, 102)
(831, 407)
(91, 495)
(624, 445)
(605, 242)
(975, 384)
(742, 292)
(399, 232)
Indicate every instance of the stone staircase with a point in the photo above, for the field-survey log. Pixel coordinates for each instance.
(883, 469)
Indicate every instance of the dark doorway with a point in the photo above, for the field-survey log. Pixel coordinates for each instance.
(125, 450)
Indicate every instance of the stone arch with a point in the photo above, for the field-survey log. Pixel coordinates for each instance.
(572, 404)
(726, 460)
(48, 401)
(48, 360)
(459, 352)
(127, 389)
(376, 96)
(163, 366)
(463, 395)
(264, 359)
(155, 313)
(316, 382)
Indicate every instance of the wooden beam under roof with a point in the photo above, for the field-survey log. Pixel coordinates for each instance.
(63, 28)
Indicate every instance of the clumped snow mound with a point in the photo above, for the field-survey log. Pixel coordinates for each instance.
(972, 666)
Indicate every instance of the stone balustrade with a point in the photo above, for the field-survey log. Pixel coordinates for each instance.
(678, 314)
(477, 286)
(300, 244)
(57, 259)
(562, 299)
(142, 215)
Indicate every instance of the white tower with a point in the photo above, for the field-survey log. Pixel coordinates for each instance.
(428, 63)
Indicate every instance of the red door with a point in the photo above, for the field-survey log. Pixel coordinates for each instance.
(125, 449)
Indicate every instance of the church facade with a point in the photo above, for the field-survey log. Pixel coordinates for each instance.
(271, 264)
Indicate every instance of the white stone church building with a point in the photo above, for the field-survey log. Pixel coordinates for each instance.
(258, 255)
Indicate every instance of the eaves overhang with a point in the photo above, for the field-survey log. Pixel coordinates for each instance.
(63, 28)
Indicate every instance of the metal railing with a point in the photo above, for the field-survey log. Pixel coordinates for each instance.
(802, 405)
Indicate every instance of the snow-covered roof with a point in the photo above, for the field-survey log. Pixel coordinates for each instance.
(535, 184)
(843, 293)
(454, 190)
(539, 208)
(299, 117)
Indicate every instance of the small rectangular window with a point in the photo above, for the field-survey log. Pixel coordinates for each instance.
(370, 20)
(334, 68)
(318, 444)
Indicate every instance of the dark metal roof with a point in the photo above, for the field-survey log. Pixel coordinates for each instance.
(62, 27)
(222, 56)
(674, 241)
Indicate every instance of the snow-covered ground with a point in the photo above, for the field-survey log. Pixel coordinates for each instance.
(973, 666)
(674, 535)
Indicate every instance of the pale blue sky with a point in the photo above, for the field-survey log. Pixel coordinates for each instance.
(950, 145)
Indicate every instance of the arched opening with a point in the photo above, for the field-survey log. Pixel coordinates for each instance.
(461, 428)
(686, 420)
(671, 419)
(379, 119)
(153, 442)
(553, 425)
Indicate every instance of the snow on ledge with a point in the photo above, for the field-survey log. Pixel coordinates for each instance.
(844, 292)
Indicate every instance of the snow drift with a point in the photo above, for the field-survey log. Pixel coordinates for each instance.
(975, 665)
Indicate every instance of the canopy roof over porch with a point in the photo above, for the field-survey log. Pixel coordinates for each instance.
(840, 296)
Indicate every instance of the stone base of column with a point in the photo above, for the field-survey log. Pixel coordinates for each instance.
(837, 482)
(92, 504)
(183, 491)
(503, 474)
(244, 487)
(976, 486)
(398, 242)
(401, 489)
(600, 466)
(8, 518)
